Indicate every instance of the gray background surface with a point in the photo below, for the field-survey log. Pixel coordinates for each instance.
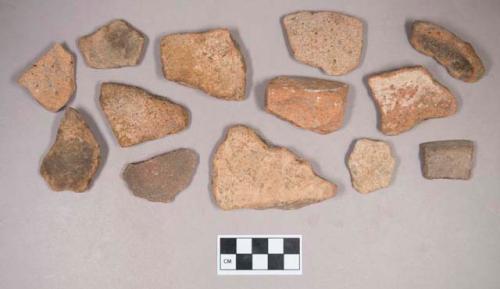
(415, 234)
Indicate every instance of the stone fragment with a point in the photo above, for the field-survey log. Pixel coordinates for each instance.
(371, 164)
(162, 177)
(209, 61)
(456, 55)
(51, 80)
(448, 159)
(248, 173)
(73, 159)
(310, 103)
(114, 45)
(329, 40)
(407, 96)
(137, 116)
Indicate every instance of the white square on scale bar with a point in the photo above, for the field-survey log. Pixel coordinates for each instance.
(259, 261)
(275, 246)
(291, 262)
(244, 246)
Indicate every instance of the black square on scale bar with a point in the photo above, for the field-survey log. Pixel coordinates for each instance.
(244, 262)
(291, 246)
(259, 245)
(275, 262)
(228, 245)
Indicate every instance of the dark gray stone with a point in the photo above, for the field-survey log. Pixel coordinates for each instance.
(448, 159)
(74, 157)
(162, 177)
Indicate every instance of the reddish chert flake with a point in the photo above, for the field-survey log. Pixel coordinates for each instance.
(310, 103)
(408, 96)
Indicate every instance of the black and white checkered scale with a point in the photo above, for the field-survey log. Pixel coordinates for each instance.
(251, 253)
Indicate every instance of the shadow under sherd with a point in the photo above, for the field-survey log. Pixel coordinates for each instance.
(97, 102)
(240, 44)
(157, 55)
(58, 116)
(260, 94)
(211, 158)
(348, 153)
(285, 36)
(370, 94)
